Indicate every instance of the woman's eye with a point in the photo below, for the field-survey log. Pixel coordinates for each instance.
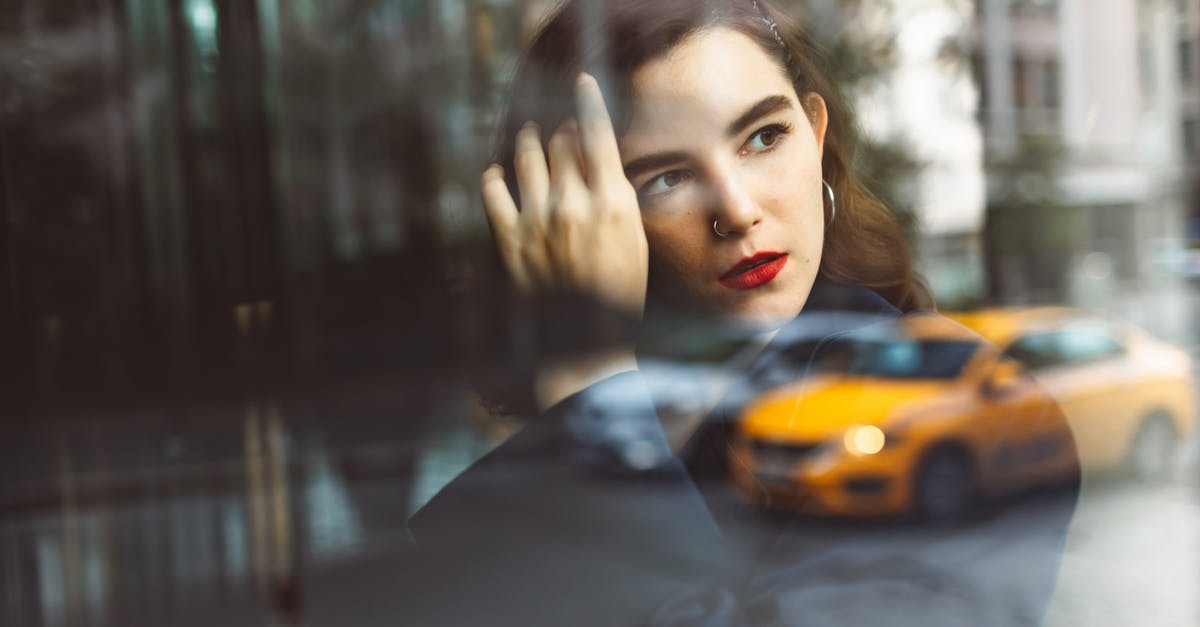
(765, 138)
(664, 182)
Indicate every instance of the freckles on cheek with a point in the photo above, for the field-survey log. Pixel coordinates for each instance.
(666, 262)
(672, 242)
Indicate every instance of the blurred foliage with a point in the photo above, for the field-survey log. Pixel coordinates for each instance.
(888, 169)
(1027, 220)
(1029, 174)
(859, 59)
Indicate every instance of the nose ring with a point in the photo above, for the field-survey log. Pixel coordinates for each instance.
(716, 230)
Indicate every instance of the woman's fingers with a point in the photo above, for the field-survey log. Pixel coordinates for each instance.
(565, 174)
(497, 201)
(598, 140)
(502, 215)
(564, 236)
(533, 177)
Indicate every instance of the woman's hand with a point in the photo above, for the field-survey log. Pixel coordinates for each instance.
(578, 231)
(579, 228)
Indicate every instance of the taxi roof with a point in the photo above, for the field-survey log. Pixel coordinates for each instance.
(1000, 325)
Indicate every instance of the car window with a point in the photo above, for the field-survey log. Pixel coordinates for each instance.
(1076, 345)
(1087, 344)
(799, 354)
(1037, 350)
(790, 364)
(912, 359)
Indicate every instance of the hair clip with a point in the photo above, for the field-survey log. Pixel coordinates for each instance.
(766, 17)
(770, 21)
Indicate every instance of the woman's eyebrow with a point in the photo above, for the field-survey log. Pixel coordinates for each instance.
(763, 107)
(652, 162)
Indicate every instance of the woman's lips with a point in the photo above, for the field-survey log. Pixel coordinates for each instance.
(754, 271)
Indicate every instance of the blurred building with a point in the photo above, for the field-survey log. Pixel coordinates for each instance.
(1181, 53)
(1089, 117)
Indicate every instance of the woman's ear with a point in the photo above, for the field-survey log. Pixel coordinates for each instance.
(818, 118)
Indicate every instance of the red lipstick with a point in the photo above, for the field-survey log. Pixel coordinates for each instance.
(753, 271)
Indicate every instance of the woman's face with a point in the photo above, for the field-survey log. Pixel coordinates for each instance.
(718, 133)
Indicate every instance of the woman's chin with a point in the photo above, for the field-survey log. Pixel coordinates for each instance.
(769, 310)
(761, 320)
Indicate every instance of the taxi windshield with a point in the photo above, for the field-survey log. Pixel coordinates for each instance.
(905, 359)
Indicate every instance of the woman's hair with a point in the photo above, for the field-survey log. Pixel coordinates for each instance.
(611, 39)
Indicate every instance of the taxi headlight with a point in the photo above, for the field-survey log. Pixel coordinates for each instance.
(864, 440)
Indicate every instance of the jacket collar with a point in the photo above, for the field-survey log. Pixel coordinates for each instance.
(827, 295)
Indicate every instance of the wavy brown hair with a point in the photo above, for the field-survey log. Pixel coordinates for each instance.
(611, 39)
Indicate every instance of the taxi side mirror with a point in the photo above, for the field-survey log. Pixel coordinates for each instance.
(1004, 379)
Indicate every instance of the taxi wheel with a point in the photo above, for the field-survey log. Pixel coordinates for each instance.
(945, 486)
(1152, 455)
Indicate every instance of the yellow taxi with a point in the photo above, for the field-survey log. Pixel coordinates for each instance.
(924, 415)
(1128, 397)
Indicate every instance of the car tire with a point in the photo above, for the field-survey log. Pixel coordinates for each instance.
(1154, 450)
(944, 487)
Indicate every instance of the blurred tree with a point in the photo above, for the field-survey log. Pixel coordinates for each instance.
(1029, 231)
(860, 58)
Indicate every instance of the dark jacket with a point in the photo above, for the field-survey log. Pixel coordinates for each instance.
(559, 526)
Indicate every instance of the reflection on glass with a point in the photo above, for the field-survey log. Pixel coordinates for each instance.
(207, 202)
(335, 530)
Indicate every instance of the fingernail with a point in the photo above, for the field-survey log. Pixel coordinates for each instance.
(531, 126)
(584, 77)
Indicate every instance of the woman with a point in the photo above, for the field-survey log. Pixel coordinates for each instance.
(715, 182)
(693, 213)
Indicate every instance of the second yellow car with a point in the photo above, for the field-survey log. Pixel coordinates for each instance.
(923, 414)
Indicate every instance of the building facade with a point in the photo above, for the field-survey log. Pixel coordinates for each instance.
(1087, 110)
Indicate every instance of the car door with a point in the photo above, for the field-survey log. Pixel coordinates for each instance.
(1085, 369)
(1028, 440)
